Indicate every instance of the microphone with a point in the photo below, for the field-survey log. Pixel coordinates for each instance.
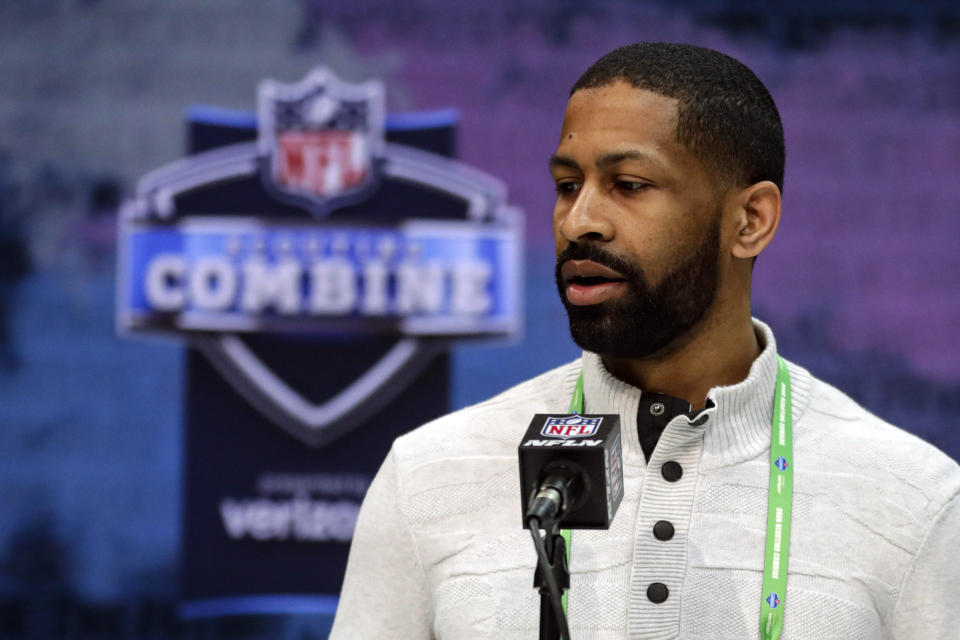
(571, 470)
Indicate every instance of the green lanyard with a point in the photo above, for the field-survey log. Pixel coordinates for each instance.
(576, 406)
(779, 503)
(779, 506)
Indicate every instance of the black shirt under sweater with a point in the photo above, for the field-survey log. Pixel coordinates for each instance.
(653, 414)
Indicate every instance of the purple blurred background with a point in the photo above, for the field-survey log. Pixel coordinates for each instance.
(861, 284)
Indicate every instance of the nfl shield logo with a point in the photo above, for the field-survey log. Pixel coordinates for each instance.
(570, 427)
(321, 140)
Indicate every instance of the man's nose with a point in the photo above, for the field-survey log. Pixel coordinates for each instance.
(587, 218)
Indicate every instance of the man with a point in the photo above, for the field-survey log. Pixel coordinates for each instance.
(668, 171)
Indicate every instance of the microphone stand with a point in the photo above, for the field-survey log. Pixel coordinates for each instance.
(556, 548)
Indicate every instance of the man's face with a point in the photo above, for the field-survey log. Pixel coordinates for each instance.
(637, 224)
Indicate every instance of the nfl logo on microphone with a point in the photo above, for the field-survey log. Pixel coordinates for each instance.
(570, 427)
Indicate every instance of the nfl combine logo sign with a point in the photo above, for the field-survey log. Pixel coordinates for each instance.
(321, 140)
(570, 427)
(781, 463)
(320, 225)
(319, 256)
(773, 600)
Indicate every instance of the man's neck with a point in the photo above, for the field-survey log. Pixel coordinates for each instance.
(718, 353)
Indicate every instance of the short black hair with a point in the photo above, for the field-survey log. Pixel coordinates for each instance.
(726, 116)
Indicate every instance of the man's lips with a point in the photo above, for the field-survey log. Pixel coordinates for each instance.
(589, 282)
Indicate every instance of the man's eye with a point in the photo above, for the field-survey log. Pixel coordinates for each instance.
(631, 186)
(568, 187)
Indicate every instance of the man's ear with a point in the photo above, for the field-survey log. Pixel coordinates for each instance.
(757, 217)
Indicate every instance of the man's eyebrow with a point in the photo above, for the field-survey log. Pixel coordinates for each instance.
(564, 161)
(613, 158)
(606, 160)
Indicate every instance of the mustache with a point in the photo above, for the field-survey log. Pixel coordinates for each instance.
(594, 253)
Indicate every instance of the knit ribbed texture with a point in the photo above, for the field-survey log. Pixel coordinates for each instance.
(440, 551)
(737, 428)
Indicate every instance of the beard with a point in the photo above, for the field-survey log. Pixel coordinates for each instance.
(646, 320)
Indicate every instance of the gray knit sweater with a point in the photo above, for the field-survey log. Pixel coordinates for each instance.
(439, 550)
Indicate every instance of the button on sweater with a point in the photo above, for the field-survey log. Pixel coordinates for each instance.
(440, 551)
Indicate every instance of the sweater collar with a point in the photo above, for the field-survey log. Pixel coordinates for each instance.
(737, 425)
